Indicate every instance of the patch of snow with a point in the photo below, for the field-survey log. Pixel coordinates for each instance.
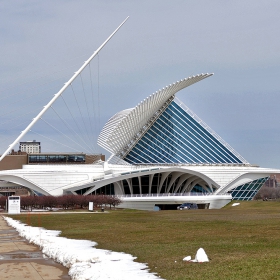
(199, 257)
(235, 204)
(83, 260)
(187, 258)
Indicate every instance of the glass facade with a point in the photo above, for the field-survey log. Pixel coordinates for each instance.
(47, 158)
(176, 137)
(248, 191)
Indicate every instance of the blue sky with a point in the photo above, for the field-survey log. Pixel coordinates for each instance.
(44, 42)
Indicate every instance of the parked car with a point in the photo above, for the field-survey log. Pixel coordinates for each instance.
(187, 206)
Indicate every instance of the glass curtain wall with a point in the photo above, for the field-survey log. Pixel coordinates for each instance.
(248, 191)
(178, 138)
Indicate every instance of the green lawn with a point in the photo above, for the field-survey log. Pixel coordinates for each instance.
(242, 242)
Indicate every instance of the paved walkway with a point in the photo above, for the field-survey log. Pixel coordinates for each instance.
(22, 260)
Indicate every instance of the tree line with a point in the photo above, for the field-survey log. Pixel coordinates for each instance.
(266, 193)
(64, 202)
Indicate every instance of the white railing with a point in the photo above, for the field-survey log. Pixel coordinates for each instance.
(165, 194)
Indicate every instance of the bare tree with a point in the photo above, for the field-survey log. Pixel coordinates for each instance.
(113, 201)
(266, 193)
(3, 200)
(49, 201)
(65, 201)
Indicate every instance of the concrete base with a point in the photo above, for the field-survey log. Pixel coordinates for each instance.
(149, 202)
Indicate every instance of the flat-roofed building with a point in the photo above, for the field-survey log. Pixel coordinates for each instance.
(30, 147)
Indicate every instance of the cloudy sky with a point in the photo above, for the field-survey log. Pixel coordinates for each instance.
(44, 42)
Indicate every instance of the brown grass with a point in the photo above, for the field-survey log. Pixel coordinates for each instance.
(242, 242)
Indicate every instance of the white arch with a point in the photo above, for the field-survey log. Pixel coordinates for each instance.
(23, 182)
(175, 176)
(240, 180)
(188, 174)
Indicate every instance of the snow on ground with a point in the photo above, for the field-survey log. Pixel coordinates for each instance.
(83, 260)
(235, 204)
(199, 257)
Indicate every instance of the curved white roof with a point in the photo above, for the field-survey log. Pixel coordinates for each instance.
(119, 131)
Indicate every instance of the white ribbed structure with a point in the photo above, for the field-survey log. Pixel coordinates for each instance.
(146, 185)
(123, 127)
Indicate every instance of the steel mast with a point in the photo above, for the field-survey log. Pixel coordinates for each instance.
(59, 93)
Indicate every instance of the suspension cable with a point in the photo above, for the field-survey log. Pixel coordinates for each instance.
(93, 109)
(86, 107)
(81, 115)
(62, 133)
(70, 129)
(60, 143)
(74, 120)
